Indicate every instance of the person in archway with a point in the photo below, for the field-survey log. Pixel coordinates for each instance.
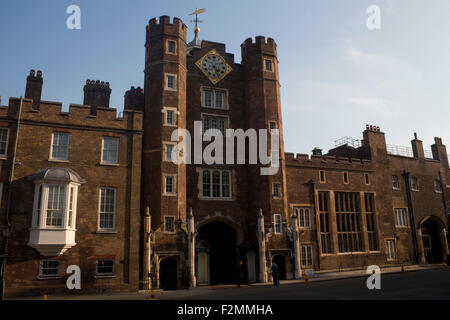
(275, 274)
(239, 274)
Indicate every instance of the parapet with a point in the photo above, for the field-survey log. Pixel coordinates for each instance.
(177, 28)
(259, 46)
(324, 161)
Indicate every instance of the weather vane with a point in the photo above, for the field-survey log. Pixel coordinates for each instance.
(196, 20)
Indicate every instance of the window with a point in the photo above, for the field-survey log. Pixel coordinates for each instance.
(169, 224)
(325, 234)
(307, 252)
(105, 267)
(345, 177)
(107, 208)
(214, 123)
(348, 221)
(171, 46)
(212, 98)
(168, 148)
(371, 222)
(304, 217)
(71, 207)
(55, 206)
(366, 179)
(277, 223)
(169, 185)
(437, 186)
(401, 219)
(390, 249)
(169, 117)
(60, 146)
(1, 192)
(322, 178)
(4, 135)
(276, 190)
(110, 151)
(414, 185)
(171, 82)
(216, 184)
(395, 183)
(268, 65)
(49, 268)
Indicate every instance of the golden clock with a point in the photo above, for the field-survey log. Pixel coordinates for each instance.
(214, 66)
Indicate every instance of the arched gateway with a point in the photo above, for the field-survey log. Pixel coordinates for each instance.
(433, 240)
(221, 257)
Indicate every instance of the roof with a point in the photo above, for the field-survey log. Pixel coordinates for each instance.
(61, 175)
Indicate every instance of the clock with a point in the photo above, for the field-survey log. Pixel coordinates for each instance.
(214, 66)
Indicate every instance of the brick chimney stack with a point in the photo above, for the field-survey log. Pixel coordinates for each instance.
(134, 99)
(33, 89)
(96, 94)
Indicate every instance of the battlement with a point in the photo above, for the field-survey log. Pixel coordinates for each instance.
(176, 28)
(50, 112)
(259, 46)
(301, 159)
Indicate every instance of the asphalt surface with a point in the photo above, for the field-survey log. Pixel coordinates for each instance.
(425, 284)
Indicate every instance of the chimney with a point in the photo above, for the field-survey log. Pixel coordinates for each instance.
(134, 99)
(96, 94)
(33, 89)
(417, 147)
(317, 152)
(440, 152)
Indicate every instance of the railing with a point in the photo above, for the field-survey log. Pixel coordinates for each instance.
(406, 151)
(348, 141)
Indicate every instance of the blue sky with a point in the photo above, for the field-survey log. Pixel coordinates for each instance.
(336, 75)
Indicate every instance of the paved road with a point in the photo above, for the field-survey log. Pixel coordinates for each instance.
(426, 284)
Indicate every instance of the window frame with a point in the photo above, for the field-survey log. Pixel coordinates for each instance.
(225, 104)
(274, 195)
(46, 276)
(301, 210)
(175, 116)
(102, 161)
(51, 158)
(345, 177)
(405, 218)
(216, 117)
(416, 188)
(211, 184)
(276, 217)
(165, 144)
(166, 82)
(324, 180)
(5, 155)
(388, 250)
(174, 185)
(99, 228)
(307, 258)
(437, 183)
(174, 47)
(165, 224)
(105, 275)
(366, 179)
(398, 182)
(272, 64)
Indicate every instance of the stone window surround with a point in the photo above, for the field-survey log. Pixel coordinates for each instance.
(109, 163)
(174, 176)
(173, 224)
(226, 105)
(200, 184)
(4, 156)
(175, 47)
(275, 217)
(166, 82)
(175, 116)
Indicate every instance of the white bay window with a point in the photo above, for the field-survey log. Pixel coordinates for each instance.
(54, 210)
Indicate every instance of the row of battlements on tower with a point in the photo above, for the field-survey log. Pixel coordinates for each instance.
(259, 46)
(165, 26)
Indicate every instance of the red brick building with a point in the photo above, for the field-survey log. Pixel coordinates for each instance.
(105, 193)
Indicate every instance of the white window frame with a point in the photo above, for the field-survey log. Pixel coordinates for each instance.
(401, 217)
(166, 82)
(211, 197)
(102, 161)
(437, 186)
(113, 228)
(173, 224)
(51, 147)
(4, 155)
(40, 204)
(306, 213)
(216, 117)
(391, 254)
(277, 222)
(175, 116)
(225, 105)
(165, 144)
(308, 257)
(109, 274)
(175, 47)
(174, 182)
(41, 269)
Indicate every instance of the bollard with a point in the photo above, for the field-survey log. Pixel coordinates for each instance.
(152, 295)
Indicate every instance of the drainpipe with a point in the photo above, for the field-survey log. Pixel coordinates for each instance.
(4, 254)
(411, 216)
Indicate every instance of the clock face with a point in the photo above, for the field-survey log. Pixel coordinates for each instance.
(214, 66)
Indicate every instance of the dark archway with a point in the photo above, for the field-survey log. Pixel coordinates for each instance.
(281, 263)
(168, 274)
(432, 246)
(221, 239)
